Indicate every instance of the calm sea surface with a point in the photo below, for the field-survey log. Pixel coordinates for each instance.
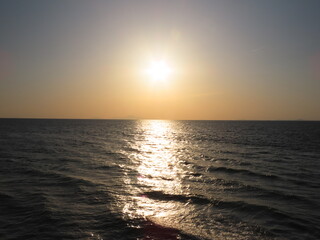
(149, 179)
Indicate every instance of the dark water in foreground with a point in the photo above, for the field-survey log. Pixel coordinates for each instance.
(110, 179)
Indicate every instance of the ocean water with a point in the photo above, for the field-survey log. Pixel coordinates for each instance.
(149, 179)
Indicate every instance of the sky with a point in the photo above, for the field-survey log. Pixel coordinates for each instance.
(230, 60)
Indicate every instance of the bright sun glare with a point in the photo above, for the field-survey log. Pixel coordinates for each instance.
(158, 70)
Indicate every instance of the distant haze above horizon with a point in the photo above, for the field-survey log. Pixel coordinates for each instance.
(183, 59)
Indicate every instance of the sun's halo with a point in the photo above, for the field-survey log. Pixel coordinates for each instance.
(158, 70)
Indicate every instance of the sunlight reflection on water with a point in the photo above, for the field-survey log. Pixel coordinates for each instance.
(158, 170)
(158, 165)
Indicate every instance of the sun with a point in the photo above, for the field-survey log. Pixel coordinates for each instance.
(158, 70)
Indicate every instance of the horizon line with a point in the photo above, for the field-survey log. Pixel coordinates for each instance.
(162, 119)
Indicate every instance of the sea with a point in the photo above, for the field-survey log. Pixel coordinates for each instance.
(158, 179)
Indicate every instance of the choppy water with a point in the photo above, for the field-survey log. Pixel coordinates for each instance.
(110, 179)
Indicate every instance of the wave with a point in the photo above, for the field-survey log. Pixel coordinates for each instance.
(241, 171)
(252, 211)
